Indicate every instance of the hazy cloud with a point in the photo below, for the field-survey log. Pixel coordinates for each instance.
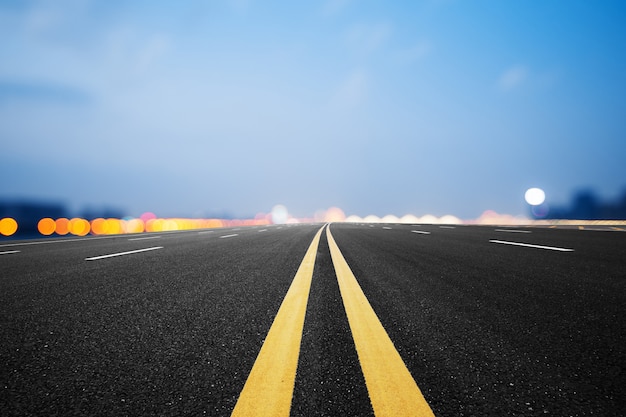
(41, 20)
(418, 51)
(240, 6)
(156, 47)
(334, 7)
(42, 91)
(512, 78)
(54, 20)
(165, 93)
(352, 92)
(367, 38)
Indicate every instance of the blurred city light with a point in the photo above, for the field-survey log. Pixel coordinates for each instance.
(535, 196)
(46, 226)
(8, 226)
(585, 209)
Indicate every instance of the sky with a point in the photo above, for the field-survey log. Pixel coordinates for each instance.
(229, 107)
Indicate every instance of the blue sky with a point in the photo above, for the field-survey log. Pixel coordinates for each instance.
(207, 107)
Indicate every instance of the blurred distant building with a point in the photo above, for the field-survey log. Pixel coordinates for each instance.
(28, 213)
(586, 205)
(91, 213)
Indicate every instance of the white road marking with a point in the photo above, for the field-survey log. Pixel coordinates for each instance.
(420, 231)
(386, 228)
(222, 237)
(447, 227)
(205, 232)
(262, 230)
(513, 231)
(504, 242)
(95, 258)
(9, 252)
(44, 242)
(144, 238)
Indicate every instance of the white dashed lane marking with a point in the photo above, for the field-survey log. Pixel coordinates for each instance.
(144, 238)
(528, 245)
(95, 258)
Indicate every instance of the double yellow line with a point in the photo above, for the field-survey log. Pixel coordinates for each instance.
(269, 388)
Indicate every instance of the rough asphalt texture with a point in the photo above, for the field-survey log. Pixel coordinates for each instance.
(485, 329)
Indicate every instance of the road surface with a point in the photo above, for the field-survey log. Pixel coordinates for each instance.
(483, 321)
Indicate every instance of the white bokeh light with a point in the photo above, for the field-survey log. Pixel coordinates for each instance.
(280, 215)
(535, 196)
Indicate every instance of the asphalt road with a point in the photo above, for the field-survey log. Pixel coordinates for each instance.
(173, 323)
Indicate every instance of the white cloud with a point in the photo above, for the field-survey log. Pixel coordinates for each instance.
(512, 78)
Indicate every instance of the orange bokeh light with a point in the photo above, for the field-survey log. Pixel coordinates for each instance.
(98, 226)
(154, 225)
(214, 223)
(46, 226)
(113, 226)
(62, 226)
(79, 227)
(8, 226)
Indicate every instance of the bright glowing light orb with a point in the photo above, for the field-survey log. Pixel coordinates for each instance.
(535, 196)
(280, 215)
(334, 214)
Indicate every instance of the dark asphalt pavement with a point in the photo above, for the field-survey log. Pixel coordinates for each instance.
(485, 328)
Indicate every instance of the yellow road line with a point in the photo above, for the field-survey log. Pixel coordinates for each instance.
(392, 389)
(269, 387)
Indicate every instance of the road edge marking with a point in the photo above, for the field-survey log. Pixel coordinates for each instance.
(391, 387)
(268, 391)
